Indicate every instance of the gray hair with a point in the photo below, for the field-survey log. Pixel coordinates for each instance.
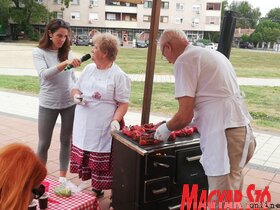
(171, 34)
(107, 43)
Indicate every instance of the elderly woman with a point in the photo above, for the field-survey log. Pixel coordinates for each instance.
(21, 175)
(102, 95)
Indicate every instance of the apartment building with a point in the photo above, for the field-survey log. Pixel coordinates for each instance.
(127, 20)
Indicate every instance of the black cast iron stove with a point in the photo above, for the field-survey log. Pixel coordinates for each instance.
(152, 177)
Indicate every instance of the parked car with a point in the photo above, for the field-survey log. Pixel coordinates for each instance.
(141, 44)
(211, 45)
(199, 44)
(82, 40)
(245, 45)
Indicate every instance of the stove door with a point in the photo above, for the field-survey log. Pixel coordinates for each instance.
(157, 189)
(188, 168)
(160, 165)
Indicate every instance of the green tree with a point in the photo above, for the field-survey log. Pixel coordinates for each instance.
(247, 16)
(256, 37)
(245, 38)
(225, 7)
(25, 13)
(66, 3)
(4, 12)
(266, 31)
(274, 15)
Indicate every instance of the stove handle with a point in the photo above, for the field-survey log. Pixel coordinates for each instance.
(193, 158)
(156, 164)
(177, 207)
(159, 191)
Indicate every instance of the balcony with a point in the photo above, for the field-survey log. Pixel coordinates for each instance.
(120, 24)
(120, 9)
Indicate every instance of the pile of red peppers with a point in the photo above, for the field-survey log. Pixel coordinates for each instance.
(144, 134)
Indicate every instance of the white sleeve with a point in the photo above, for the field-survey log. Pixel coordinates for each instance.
(185, 79)
(122, 90)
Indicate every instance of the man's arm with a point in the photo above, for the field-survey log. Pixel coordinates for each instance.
(180, 120)
(184, 114)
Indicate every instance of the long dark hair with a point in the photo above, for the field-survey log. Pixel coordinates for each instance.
(46, 43)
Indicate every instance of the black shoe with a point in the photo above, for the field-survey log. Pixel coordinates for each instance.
(99, 193)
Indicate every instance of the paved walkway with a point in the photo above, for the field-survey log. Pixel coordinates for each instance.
(263, 170)
(141, 77)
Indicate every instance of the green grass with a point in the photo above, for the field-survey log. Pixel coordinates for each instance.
(251, 63)
(263, 102)
(132, 60)
(247, 63)
(26, 84)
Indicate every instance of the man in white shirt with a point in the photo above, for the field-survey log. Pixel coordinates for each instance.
(208, 94)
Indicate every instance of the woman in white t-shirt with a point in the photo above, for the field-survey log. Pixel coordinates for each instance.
(102, 95)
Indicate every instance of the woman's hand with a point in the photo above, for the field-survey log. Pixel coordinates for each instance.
(75, 62)
(72, 63)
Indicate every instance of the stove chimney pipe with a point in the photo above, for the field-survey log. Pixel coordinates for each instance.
(227, 33)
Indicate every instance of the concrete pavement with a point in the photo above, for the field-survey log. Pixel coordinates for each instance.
(141, 77)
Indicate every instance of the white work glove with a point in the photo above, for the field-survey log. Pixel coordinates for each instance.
(162, 132)
(115, 125)
(78, 99)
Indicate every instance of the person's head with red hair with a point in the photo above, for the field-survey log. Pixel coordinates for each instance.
(21, 172)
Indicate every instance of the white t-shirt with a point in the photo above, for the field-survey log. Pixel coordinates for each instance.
(102, 89)
(209, 77)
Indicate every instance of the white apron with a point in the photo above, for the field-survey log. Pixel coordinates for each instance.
(91, 129)
(212, 117)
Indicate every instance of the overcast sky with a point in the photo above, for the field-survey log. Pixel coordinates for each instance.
(264, 5)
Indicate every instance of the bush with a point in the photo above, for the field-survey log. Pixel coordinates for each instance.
(35, 37)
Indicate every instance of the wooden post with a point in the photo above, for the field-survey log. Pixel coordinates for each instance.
(150, 65)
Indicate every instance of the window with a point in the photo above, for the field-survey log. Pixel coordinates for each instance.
(213, 6)
(165, 5)
(57, 1)
(148, 4)
(179, 6)
(179, 20)
(93, 3)
(111, 16)
(146, 18)
(213, 20)
(75, 2)
(93, 17)
(195, 22)
(75, 16)
(110, 2)
(59, 15)
(129, 17)
(164, 19)
(39, 1)
(196, 8)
